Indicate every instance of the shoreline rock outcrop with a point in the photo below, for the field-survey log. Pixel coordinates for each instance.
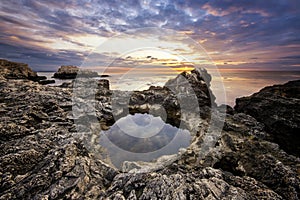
(15, 70)
(182, 95)
(278, 108)
(71, 72)
(42, 157)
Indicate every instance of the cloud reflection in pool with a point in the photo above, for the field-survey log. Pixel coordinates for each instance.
(142, 137)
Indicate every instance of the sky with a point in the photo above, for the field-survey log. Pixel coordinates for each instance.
(252, 34)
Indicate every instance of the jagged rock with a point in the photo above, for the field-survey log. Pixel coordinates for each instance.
(103, 83)
(40, 158)
(244, 151)
(181, 183)
(196, 82)
(44, 155)
(71, 72)
(278, 107)
(66, 72)
(14, 70)
(185, 94)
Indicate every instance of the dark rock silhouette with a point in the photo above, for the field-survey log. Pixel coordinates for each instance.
(45, 82)
(71, 72)
(278, 107)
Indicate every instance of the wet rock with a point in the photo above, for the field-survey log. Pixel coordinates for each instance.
(185, 94)
(67, 85)
(38, 78)
(278, 107)
(103, 83)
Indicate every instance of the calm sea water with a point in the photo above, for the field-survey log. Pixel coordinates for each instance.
(236, 83)
(244, 83)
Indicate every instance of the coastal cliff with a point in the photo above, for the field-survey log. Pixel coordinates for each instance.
(42, 159)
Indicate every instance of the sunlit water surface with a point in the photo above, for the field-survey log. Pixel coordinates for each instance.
(237, 83)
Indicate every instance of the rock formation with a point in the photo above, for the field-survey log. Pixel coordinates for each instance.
(14, 70)
(71, 72)
(179, 96)
(278, 108)
(42, 158)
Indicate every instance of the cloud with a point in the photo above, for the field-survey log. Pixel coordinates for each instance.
(40, 58)
(228, 30)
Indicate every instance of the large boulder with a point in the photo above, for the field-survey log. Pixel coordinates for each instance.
(71, 72)
(278, 107)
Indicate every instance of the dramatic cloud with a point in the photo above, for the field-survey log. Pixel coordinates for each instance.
(236, 34)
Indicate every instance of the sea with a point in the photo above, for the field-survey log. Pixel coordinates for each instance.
(231, 83)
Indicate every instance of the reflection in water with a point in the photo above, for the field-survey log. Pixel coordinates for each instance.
(142, 137)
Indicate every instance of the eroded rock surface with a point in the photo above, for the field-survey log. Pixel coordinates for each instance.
(42, 159)
(15, 70)
(177, 100)
(278, 107)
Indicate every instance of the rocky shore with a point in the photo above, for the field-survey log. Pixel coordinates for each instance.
(70, 72)
(43, 156)
(14, 70)
(278, 108)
